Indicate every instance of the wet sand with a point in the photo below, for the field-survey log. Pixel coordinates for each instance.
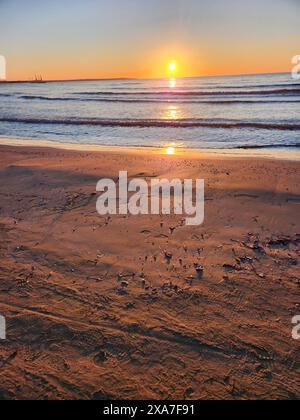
(94, 308)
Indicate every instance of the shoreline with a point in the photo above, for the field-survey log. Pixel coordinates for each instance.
(251, 152)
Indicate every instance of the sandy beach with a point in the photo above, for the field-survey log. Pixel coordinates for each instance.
(94, 308)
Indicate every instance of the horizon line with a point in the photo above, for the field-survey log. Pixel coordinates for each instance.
(133, 78)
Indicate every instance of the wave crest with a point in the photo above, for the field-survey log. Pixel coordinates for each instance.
(161, 123)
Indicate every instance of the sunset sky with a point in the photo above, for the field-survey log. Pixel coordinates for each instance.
(73, 39)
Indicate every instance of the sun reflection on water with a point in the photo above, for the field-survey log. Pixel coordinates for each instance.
(172, 112)
(172, 83)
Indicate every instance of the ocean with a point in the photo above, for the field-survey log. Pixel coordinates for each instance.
(231, 112)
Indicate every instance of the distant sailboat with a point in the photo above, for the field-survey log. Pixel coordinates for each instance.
(38, 79)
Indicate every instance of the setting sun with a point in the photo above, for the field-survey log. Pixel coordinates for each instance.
(170, 151)
(172, 66)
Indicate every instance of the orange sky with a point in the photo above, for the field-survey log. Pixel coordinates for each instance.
(151, 64)
(124, 38)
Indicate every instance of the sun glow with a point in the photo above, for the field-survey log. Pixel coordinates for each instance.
(170, 151)
(172, 67)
